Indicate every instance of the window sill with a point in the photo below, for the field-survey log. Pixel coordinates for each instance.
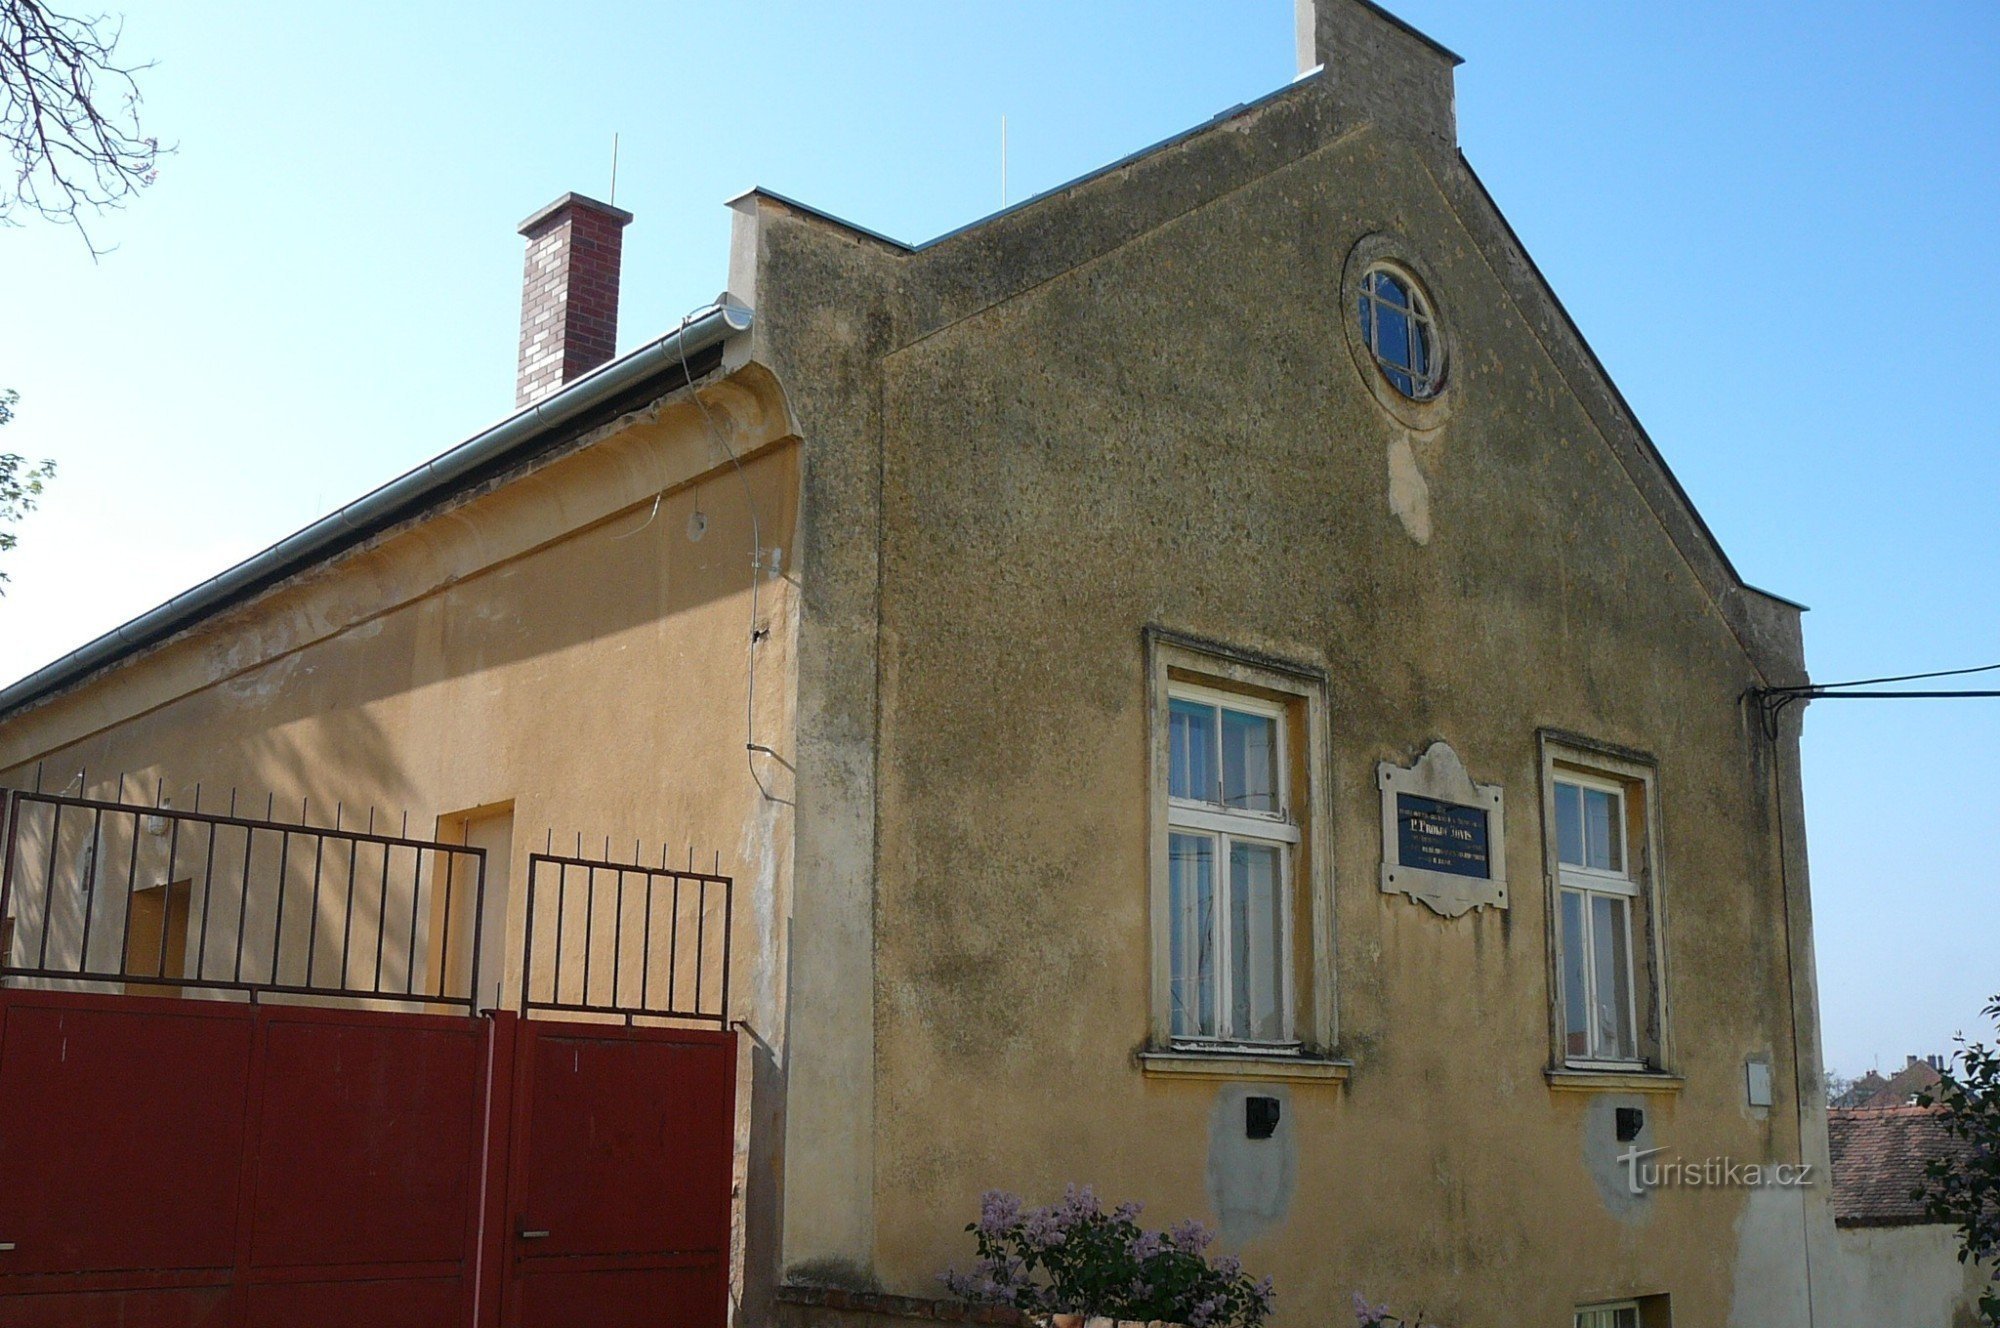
(1613, 1081)
(1241, 1065)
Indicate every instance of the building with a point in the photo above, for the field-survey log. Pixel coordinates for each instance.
(1206, 647)
(1894, 1264)
(1919, 1075)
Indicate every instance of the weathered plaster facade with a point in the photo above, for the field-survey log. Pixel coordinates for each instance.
(998, 466)
(1133, 406)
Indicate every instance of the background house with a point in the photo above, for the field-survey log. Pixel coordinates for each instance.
(1918, 1075)
(1895, 1264)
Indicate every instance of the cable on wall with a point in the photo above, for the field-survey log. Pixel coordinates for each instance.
(751, 747)
(1773, 701)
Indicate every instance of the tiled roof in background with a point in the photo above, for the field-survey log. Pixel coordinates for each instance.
(1878, 1162)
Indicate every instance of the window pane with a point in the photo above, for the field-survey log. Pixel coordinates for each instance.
(1569, 824)
(1392, 336)
(1191, 909)
(1612, 961)
(1256, 1010)
(1420, 347)
(1249, 762)
(1600, 831)
(1191, 750)
(1390, 291)
(1575, 980)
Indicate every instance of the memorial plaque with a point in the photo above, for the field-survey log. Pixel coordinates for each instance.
(1444, 838)
(1441, 836)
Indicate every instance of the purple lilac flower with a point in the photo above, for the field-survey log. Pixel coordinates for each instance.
(1190, 1237)
(1079, 1204)
(1204, 1313)
(998, 1211)
(1147, 1244)
(1128, 1211)
(1229, 1266)
(1042, 1229)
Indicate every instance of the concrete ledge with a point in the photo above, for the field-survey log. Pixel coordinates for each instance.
(1613, 1081)
(1203, 1065)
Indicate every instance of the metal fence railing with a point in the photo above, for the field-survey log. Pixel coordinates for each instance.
(116, 896)
(621, 938)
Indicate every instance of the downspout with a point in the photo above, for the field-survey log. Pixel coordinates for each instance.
(702, 332)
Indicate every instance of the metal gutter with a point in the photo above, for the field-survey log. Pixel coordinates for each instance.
(398, 498)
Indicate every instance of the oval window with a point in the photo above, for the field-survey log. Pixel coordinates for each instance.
(1400, 331)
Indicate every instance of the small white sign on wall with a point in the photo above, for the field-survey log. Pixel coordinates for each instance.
(1444, 839)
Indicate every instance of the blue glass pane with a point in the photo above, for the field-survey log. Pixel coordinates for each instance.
(1249, 762)
(1420, 348)
(1256, 1009)
(1600, 831)
(1575, 983)
(1391, 291)
(1569, 824)
(1612, 967)
(1191, 750)
(1400, 380)
(1392, 338)
(1191, 908)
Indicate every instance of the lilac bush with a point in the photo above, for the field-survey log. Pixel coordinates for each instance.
(1378, 1316)
(1074, 1257)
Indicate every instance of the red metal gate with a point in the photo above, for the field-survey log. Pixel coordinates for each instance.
(195, 1162)
(174, 1163)
(171, 1162)
(619, 1182)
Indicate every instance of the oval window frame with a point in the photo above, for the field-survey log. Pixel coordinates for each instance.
(1382, 251)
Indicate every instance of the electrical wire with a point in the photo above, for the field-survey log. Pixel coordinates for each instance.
(751, 747)
(1906, 677)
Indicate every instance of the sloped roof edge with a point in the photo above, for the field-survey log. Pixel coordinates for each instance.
(1237, 111)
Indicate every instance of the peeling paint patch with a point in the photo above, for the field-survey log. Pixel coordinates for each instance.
(1409, 495)
(1250, 1181)
(1770, 1285)
(1603, 1155)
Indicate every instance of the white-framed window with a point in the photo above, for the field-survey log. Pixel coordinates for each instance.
(1607, 966)
(1598, 893)
(1624, 1314)
(1242, 914)
(1231, 842)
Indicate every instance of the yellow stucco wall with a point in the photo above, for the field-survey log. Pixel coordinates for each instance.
(1135, 407)
(572, 642)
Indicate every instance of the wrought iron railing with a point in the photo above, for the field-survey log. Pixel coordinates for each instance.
(626, 939)
(115, 895)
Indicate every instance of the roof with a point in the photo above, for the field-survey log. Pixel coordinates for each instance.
(581, 404)
(1897, 1090)
(1878, 1162)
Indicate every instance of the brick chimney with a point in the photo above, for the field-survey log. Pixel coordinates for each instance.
(569, 293)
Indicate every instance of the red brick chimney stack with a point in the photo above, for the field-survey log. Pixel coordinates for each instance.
(569, 293)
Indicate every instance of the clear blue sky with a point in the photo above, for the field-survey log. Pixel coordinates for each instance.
(1776, 223)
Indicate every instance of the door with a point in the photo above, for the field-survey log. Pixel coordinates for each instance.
(453, 915)
(619, 1194)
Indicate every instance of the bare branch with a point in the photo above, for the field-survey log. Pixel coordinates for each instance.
(69, 118)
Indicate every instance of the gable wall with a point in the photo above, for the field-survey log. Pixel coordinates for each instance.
(1174, 434)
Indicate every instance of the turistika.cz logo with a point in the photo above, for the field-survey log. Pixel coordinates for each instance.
(1709, 1173)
